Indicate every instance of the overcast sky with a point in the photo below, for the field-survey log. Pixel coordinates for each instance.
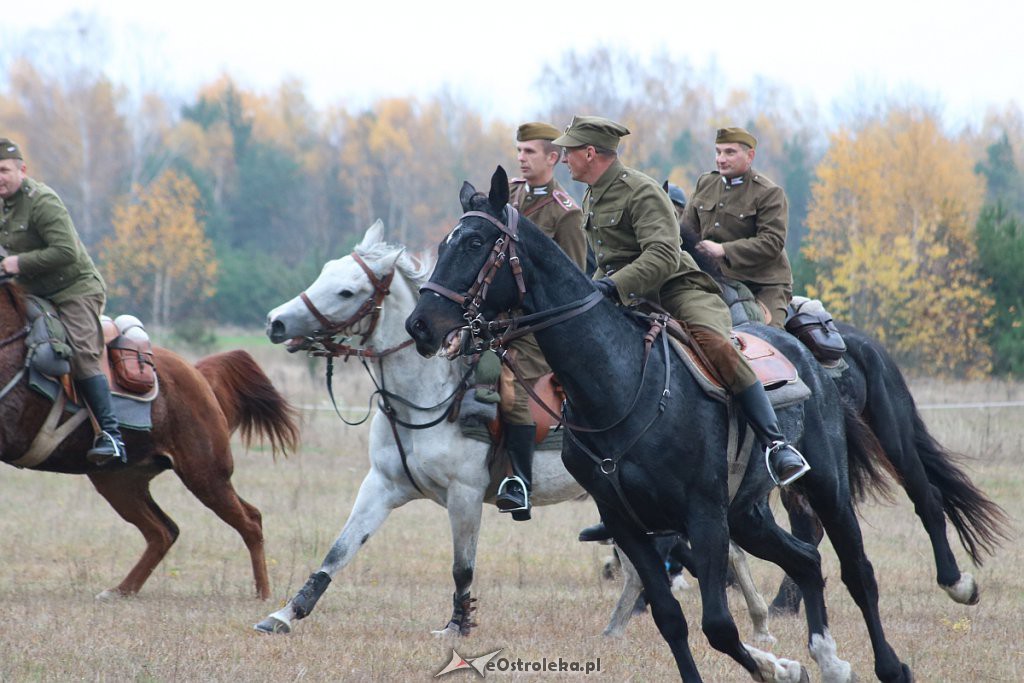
(962, 55)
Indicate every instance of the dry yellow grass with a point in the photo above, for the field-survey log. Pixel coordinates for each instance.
(540, 592)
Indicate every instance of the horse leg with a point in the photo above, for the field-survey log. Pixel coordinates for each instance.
(632, 588)
(755, 603)
(710, 544)
(840, 521)
(212, 486)
(754, 529)
(377, 497)
(127, 491)
(804, 524)
(465, 506)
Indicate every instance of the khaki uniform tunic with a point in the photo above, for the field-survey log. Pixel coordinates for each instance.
(631, 226)
(748, 216)
(54, 264)
(553, 211)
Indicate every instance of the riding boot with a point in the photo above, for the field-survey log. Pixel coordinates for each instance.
(595, 532)
(514, 491)
(785, 463)
(108, 444)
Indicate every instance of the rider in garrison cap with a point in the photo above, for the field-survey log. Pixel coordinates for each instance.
(538, 197)
(740, 135)
(592, 130)
(9, 150)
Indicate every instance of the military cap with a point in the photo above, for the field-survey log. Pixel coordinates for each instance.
(537, 130)
(592, 130)
(736, 135)
(675, 193)
(9, 150)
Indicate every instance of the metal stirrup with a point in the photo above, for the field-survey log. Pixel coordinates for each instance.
(522, 484)
(776, 446)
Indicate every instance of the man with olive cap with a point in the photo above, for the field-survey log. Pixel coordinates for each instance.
(46, 256)
(630, 224)
(741, 217)
(539, 197)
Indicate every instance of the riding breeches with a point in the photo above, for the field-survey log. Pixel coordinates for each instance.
(708, 320)
(775, 299)
(81, 318)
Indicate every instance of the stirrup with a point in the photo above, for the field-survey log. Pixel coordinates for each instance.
(778, 446)
(102, 459)
(501, 490)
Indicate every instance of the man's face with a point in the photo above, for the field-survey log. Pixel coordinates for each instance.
(12, 173)
(576, 159)
(534, 165)
(733, 159)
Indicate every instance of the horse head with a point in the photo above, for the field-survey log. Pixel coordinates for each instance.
(346, 300)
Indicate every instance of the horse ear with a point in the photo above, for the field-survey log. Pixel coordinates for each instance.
(499, 189)
(466, 194)
(374, 234)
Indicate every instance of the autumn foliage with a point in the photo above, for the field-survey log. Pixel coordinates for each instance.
(159, 256)
(891, 233)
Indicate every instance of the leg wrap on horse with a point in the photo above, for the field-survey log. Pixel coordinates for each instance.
(305, 600)
(462, 613)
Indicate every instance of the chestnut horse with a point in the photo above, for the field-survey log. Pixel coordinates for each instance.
(193, 417)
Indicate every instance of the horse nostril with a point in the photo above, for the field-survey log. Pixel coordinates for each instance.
(276, 330)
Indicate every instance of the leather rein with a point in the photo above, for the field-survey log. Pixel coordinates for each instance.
(480, 333)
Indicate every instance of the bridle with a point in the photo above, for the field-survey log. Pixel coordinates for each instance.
(321, 342)
(480, 333)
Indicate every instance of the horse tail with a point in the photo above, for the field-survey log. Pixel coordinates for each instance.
(980, 522)
(250, 401)
(869, 470)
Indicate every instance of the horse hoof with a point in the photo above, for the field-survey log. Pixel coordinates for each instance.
(273, 625)
(109, 596)
(965, 591)
(449, 631)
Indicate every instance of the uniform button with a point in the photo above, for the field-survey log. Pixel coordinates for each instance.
(600, 242)
(721, 204)
(601, 255)
(716, 225)
(623, 175)
(741, 215)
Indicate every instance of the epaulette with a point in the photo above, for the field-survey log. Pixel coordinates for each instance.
(761, 180)
(516, 181)
(564, 200)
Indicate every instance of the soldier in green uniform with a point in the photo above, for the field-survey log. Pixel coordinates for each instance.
(741, 217)
(539, 197)
(630, 224)
(48, 259)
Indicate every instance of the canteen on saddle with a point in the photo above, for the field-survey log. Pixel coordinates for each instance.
(479, 413)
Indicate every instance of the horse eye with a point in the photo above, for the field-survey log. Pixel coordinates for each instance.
(345, 294)
(476, 243)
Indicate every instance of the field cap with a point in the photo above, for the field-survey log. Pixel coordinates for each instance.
(736, 135)
(536, 130)
(592, 130)
(9, 150)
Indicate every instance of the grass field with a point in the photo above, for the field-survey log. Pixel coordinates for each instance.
(540, 592)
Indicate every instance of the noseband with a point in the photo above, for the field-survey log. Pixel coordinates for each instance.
(371, 308)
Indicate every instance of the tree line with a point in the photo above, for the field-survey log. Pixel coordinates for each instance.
(218, 208)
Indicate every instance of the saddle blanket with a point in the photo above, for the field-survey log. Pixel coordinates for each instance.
(133, 412)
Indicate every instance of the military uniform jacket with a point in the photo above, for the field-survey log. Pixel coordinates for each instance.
(53, 262)
(553, 211)
(631, 226)
(748, 218)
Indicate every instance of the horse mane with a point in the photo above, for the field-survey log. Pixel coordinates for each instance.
(415, 268)
(17, 297)
(689, 239)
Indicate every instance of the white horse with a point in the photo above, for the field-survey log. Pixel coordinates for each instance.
(365, 298)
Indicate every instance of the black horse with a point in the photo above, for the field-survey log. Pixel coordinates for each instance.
(649, 445)
(930, 474)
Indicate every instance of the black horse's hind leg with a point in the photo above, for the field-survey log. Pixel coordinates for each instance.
(843, 530)
(805, 525)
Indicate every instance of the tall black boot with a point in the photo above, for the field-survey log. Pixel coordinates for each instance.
(785, 463)
(108, 444)
(514, 492)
